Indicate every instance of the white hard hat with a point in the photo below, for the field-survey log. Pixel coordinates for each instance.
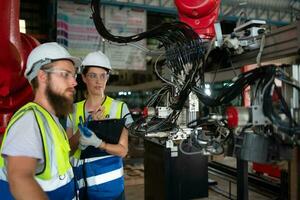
(96, 59)
(45, 54)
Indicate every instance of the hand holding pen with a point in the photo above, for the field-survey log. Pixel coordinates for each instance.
(98, 113)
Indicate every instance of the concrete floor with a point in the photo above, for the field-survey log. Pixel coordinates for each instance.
(136, 192)
(134, 187)
(134, 179)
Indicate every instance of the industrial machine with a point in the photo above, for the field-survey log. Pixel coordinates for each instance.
(265, 131)
(188, 49)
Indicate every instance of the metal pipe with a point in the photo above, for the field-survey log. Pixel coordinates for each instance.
(269, 4)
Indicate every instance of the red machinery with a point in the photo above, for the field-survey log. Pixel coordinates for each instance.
(15, 47)
(200, 15)
(15, 90)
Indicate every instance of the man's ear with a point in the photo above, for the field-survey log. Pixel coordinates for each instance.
(42, 76)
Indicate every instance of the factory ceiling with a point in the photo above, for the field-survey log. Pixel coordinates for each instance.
(41, 19)
(275, 12)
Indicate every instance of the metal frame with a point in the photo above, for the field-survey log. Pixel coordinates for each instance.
(271, 12)
(229, 10)
(280, 43)
(159, 6)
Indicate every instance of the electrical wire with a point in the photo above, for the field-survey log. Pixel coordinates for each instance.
(261, 48)
(138, 46)
(185, 58)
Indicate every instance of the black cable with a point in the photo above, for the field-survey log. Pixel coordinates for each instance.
(179, 28)
(184, 57)
(268, 109)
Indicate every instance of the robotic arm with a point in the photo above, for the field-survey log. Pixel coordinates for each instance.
(200, 15)
(15, 47)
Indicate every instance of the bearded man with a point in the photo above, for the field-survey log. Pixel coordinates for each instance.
(34, 161)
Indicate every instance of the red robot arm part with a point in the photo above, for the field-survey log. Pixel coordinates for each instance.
(200, 15)
(15, 90)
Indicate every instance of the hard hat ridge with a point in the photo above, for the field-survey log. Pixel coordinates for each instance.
(96, 59)
(45, 54)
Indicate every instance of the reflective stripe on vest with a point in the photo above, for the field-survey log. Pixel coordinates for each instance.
(101, 178)
(57, 171)
(112, 109)
(88, 160)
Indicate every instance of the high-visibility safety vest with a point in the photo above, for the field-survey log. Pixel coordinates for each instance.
(57, 178)
(98, 177)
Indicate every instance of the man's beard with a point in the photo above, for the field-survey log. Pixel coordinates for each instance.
(62, 105)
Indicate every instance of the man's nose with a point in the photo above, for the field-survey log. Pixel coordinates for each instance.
(73, 81)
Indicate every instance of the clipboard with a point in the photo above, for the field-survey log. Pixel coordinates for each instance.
(109, 130)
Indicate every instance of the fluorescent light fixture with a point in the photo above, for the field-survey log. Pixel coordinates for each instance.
(207, 89)
(22, 25)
